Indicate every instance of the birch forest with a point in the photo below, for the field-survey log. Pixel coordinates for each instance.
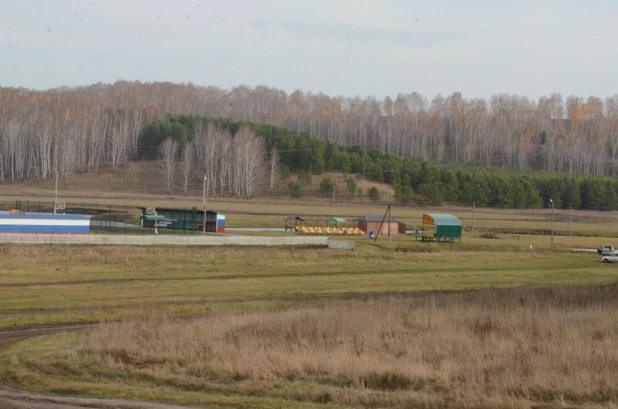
(85, 129)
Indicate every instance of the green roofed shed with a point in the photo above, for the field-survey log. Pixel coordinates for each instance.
(152, 217)
(447, 227)
(335, 220)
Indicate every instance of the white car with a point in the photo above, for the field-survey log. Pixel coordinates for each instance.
(610, 259)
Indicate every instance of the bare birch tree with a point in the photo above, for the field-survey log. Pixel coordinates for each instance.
(275, 165)
(249, 166)
(167, 162)
(67, 156)
(186, 165)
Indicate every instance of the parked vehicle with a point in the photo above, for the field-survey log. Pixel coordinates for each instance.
(607, 250)
(610, 259)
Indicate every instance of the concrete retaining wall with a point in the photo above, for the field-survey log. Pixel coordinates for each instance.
(341, 245)
(164, 239)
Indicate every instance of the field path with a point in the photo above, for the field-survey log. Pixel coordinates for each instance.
(12, 399)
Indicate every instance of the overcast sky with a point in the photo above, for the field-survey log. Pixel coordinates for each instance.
(339, 47)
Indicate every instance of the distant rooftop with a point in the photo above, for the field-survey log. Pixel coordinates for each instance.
(374, 219)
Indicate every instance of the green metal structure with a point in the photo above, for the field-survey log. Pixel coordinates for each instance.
(335, 220)
(442, 226)
(152, 217)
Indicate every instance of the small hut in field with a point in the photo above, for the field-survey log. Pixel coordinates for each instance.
(292, 222)
(373, 225)
(441, 227)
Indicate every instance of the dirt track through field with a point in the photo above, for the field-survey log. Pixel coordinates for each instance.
(12, 399)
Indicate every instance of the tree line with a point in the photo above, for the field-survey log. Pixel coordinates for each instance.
(47, 133)
(555, 133)
(278, 150)
(421, 148)
(572, 134)
(227, 163)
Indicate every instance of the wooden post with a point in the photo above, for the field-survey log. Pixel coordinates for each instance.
(570, 213)
(388, 209)
(204, 203)
(390, 197)
(56, 193)
(552, 223)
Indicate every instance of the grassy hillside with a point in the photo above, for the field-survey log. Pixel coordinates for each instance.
(142, 179)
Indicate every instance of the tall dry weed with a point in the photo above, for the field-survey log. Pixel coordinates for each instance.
(516, 348)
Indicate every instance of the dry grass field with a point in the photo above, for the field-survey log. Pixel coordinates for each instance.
(521, 348)
(268, 328)
(485, 323)
(61, 284)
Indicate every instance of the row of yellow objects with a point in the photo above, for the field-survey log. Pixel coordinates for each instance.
(330, 230)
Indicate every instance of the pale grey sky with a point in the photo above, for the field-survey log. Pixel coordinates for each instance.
(339, 47)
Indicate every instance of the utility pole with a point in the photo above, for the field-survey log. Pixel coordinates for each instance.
(387, 213)
(390, 198)
(56, 193)
(204, 179)
(570, 213)
(334, 189)
(551, 203)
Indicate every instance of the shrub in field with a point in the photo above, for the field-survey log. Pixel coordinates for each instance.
(373, 193)
(296, 190)
(326, 186)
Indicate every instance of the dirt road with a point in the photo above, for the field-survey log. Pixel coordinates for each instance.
(12, 399)
(8, 336)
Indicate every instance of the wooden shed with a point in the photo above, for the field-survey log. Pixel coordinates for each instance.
(371, 224)
(293, 221)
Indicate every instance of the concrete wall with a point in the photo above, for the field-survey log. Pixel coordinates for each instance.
(164, 239)
(43, 223)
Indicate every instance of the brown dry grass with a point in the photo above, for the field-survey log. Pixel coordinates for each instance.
(509, 348)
